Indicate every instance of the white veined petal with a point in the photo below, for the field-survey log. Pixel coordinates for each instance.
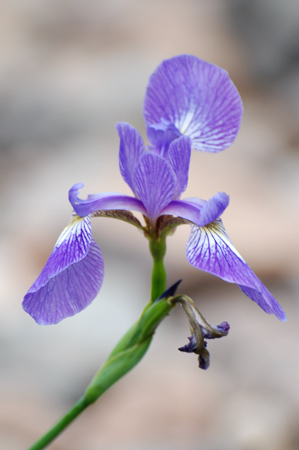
(71, 278)
(210, 249)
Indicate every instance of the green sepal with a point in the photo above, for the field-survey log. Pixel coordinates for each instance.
(114, 369)
(152, 318)
(130, 350)
(125, 342)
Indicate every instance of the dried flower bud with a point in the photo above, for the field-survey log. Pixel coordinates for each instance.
(200, 330)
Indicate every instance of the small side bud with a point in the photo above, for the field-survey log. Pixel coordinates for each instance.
(170, 291)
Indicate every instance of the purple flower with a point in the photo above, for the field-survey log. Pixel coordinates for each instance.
(186, 100)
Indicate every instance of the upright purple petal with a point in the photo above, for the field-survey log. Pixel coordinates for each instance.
(71, 278)
(210, 249)
(131, 147)
(103, 201)
(161, 135)
(154, 183)
(198, 98)
(179, 158)
(200, 212)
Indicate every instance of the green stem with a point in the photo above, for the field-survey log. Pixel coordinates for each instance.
(158, 250)
(61, 425)
(130, 349)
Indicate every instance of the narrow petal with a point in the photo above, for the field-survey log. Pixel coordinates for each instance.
(131, 147)
(210, 249)
(198, 211)
(179, 158)
(154, 183)
(103, 201)
(198, 98)
(71, 278)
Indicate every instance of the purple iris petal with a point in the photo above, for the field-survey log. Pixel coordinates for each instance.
(130, 149)
(198, 211)
(71, 278)
(103, 201)
(198, 98)
(161, 135)
(154, 183)
(179, 158)
(213, 208)
(210, 249)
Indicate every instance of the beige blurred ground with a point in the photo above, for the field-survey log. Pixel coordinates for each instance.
(69, 71)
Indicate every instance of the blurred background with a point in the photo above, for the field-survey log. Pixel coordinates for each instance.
(69, 71)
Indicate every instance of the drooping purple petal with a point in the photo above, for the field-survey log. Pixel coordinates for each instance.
(210, 249)
(154, 183)
(198, 98)
(198, 211)
(131, 147)
(71, 278)
(179, 154)
(103, 201)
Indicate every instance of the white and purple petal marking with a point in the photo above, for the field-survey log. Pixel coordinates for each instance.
(71, 278)
(210, 249)
(198, 98)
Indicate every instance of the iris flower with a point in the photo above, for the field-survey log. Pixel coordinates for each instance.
(189, 103)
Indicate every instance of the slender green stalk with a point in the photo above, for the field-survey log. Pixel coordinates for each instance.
(61, 425)
(129, 350)
(114, 369)
(158, 250)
